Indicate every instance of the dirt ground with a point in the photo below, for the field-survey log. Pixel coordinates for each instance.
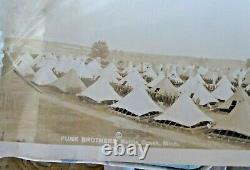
(29, 116)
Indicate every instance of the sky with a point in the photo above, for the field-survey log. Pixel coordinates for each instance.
(200, 28)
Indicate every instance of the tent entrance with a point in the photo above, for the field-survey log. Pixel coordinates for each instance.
(177, 125)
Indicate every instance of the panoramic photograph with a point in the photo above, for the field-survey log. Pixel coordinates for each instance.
(170, 74)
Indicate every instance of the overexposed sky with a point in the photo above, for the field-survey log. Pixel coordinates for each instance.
(202, 28)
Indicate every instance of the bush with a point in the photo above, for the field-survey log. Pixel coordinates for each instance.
(99, 49)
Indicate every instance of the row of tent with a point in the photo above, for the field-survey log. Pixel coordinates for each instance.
(174, 73)
(138, 103)
(26, 65)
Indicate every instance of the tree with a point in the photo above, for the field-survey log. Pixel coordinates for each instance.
(99, 49)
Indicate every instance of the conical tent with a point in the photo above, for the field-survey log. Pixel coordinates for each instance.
(24, 65)
(247, 78)
(203, 96)
(222, 93)
(38, 60)
(184, 112)
(224, 89)
(234, 74)
(81, 59)
(150, 73)
(49, 61)
(44, 76)
(69, 83)
(225, 82)
(137, 102)
(83, 72)
(241, 77)
(64, 64)
(110, 73)
(211, 75)
(74, 62)
(182, 71)
(128, 68)
(191, 83)
(238, 120)
(141, 67)
(100, 91)
(192, 70)
(134, 79)
(26, 59)
(165, 86)
(202, 70)
(156, 80)
(94, 68)
(51, 57)
(81, 69)
(174, 76)
(239, 96)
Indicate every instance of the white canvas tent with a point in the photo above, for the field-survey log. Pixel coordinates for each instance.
(225, 82)
(237, 121)
(44, 76)
(100, 91)
(222, 93)
(94, 68)
(247, 78)
(185, 70)
(202, 70)
(69, 83)
(150, 72)
(24, 65)
(142, 66)
(165, 86)
(235, 74)
(137, 103)
(212, 76)
(191, 84)
(128, 68)
(38, 60)
(26, 59)
(134, 79)
(81, 69)
(184, 112)
(196, 86)
(49, 61)
(110, 73)
(63, 65)
(156, 80)
(175, 77)
(81, 59)
(224, 90)
(239, 96)
(202, 96)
